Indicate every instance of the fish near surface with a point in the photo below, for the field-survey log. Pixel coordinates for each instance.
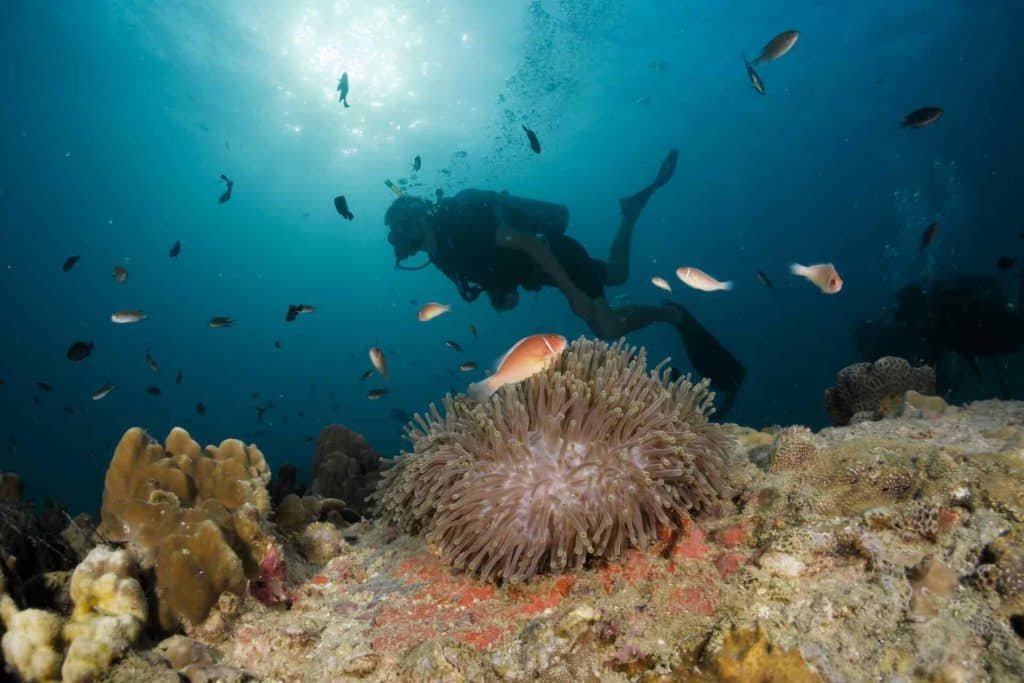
(341, 206)
(534, 141)
(343, 89)
(823, 275)
(527, 357)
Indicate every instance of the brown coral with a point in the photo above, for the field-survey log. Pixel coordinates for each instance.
(345, 466)
(586, 459)
(792, 449)
(193, 515)
(862, 389)
(749, 656)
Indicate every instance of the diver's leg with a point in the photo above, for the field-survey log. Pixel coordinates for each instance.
(618, 257)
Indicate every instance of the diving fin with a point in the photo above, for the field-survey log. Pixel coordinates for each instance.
(707, 355)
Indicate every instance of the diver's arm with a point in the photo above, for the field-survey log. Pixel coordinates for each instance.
(538, 250)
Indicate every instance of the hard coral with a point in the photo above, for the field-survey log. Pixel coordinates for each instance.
(345, 466)
(582, 460)
(193, 516)
(862, 388)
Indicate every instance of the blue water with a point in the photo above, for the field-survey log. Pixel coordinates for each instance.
(117, 119)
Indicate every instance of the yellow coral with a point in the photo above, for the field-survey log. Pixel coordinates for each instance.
(748, 657)
(110, 610)
(32, 644)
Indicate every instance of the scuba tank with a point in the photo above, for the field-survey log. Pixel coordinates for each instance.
(519, 213)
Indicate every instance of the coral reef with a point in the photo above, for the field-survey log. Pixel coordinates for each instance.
(193, 516)
(586, 459)
(346, 467)
(864, 391)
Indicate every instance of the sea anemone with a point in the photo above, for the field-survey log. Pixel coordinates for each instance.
(583, 460)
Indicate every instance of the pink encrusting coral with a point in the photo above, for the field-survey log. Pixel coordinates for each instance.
(586, 459)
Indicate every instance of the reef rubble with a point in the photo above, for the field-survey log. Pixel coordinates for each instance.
(886, 550)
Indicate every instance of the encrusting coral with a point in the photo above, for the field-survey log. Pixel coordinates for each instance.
(195, 517)
(863, 389)
(585, 459)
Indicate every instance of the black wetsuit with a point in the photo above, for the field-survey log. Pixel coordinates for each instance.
(468, 254)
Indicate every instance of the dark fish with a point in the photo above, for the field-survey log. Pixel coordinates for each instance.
(201, 408)
(534, 142)
(175, 249)
(366, 375)
(343, 89)
(928, 235)
(341, 206)
(453, 345)
(416, 163)
(230, 187)
(472, 330)
(277, 344)
(763, 279)
(399, 415)
(69, 263)
(153, 391)
(69, 410)
(218, 321)
(468, 366)
(1004, 263)
(295, 310)
(308, 439)
(120, 273)
(922, 117)
(178, 377)
(44, 386)
(778, 46)
(80, 350)
(375, 394)
(259, 413)
(755, 80)
(151, 363)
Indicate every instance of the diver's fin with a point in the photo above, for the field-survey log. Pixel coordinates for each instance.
(707, 355)
(668, 168)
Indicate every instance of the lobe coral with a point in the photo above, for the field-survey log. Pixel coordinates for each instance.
(583, 460)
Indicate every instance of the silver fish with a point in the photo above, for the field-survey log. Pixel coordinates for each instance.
(102, 391)
(778, 46)
(128, 316)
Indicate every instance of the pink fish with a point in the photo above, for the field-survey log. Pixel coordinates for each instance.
(527, 357)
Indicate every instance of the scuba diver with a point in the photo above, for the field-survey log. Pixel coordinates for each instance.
(967, 315)
(495, 243)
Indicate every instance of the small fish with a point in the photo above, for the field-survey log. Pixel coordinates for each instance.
(277, 343)
(661, 283)
(468, 366)
(366, 375)
(928, 235)
(295, 310)
(823, 275)
(374, 394)
(80, 350)
(69, 263)
(120, 273)
(416, 163)
(175, 249)
(755, 80)
(128, 316)
(341, 206)
(259, 413)
(152, 390)
(151, 363)
(43, 386)
(69, 410)
(220, 321)
(778, 46)
(227, 192)
(472, 330)
(451, 344)
(399, 415)
(534, 142)
(201, 408)
(379, 362)
(919, 118)
(527, 357)
(1004, 263)
(178, 377)
(698, 279)
(432, 310)
(763, 279)
(102, 391)
(343, 89)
